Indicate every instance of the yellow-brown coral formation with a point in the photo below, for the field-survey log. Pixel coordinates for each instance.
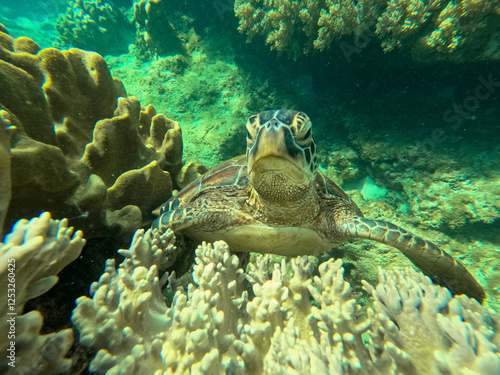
(460, 19)
(401, 19)
(156, 34)
(30, 258)
(464, 27)
(77, 132)
(214, 327)
(298, 27)
(95, 25)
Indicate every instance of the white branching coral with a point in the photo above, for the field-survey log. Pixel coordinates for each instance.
(30, 258)
(461, 336)
(293, 324)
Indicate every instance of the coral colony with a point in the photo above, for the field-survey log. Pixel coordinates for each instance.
(92, 100)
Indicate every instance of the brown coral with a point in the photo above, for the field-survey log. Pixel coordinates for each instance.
(459, 30)
(95, 25)
(156, 34)
(77, 133)
(299, 27)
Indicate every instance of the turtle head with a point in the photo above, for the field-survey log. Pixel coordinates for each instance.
(281, 155)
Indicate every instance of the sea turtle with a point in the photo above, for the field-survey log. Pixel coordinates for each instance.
(274, 200)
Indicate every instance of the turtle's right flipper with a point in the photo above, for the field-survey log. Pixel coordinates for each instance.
(177, 219)
(434, 262)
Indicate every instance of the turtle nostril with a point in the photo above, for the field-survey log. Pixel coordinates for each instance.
(273, 124)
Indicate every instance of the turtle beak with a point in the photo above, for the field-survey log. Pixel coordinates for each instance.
(269, 143)
(276, 141)
(275, 156)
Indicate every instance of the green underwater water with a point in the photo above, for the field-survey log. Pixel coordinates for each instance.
(410, 141)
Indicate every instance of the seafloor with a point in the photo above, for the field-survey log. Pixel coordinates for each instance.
(401, 136)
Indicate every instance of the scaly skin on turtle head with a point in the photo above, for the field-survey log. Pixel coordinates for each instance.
(281, 155)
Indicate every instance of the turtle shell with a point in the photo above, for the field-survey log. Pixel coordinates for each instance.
(230, 172)
(234, 172)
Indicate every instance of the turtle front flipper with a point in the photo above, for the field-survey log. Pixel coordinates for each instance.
(434, 262)
(177, 219)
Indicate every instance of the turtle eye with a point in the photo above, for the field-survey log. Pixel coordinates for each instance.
(252, 119)
(308, 134)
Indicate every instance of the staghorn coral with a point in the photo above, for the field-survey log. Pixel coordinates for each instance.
(95, 25)
(213, 327)
(82, 148)
(30, 258)
(424, 27)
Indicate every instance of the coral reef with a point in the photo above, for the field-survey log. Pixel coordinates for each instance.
(156, 34)
(189, 173)
(95, 25)
(214, 327)
(214, 96)
(444, 193)
(30, 258)
(459, 29)
(453, 200)
(103, 26)
(468, 28)
(299, 27)
(82, 148)
(450, 198)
